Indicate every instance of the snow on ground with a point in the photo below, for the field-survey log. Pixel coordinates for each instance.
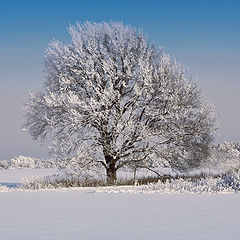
(126, 212)
(87, 214)
(15, 176)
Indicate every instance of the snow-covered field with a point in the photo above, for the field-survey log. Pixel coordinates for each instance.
(87, 214)
(114, 213)
(15, 176)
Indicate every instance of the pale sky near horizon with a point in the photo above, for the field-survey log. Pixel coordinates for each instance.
(203, 35)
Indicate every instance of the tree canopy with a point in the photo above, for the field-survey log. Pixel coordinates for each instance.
(113, 99)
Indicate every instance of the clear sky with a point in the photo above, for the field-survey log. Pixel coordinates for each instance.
(204, 35)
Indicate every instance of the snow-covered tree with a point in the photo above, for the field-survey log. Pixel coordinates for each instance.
(26, 162)
(113, 99)
(225, 157)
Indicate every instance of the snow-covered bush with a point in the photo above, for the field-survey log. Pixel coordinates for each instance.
(224, 157)
(224, 184)
(231, 180)
(27, 162)
(63, 180)
(227, 183)
(4, 164)
(4, 188)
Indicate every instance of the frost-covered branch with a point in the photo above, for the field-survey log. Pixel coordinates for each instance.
(111, 96)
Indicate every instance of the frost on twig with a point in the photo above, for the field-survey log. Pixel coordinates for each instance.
(113, 99)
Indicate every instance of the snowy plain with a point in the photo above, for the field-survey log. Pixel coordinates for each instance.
(85, 213)
(13, 177)
(114, 213)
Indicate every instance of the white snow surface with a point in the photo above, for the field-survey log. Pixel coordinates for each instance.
(17, 175)
(126, 212)
(84, 213)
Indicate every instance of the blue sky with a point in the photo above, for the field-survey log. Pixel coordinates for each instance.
(202, 35)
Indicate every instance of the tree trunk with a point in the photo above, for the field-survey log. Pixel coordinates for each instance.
(111, 170)
(111, 176)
